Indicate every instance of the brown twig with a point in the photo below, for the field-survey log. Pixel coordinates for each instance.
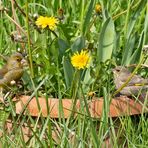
(21, 10)
(21, 29)
(134, 65)
(3, 57)
(14, 17)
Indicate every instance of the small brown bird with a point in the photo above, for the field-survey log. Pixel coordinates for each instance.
(12, 71)
(135, 86)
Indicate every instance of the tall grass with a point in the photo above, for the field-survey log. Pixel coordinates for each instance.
(114, 36)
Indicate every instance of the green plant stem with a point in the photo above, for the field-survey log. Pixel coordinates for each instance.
(61, 112)
(75, 82)
(82, 16)
(93, 21)
(73, 93)
(3, 57)
(29, 44)
(54, 34)
(127, 19)
(92, 129)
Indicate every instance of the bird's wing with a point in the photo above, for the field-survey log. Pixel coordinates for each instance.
(138, 80)
(15, 75)
(135, 80)
(3, 71)
(134, 90)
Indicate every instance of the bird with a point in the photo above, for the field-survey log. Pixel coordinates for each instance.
(136, 85)
(11, 71)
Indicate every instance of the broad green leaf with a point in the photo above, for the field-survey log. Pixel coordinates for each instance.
(106, 41)
(68, 71)
(87, 81)
(78, 44)
(63, 45)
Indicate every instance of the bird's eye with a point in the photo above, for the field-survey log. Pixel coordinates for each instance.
(18, 59)
(117, 70)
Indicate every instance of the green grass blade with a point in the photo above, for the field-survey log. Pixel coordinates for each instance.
(128, 51)
(134, 18)
(88, 17)
(137, 54)
(146, 25)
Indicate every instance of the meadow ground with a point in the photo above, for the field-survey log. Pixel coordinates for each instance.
(72, 47)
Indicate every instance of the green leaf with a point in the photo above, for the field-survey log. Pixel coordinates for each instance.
(146, 26)
(134, 18)
(68, 71)
(63, 45)
(87, 81)
(3, 117)
(78, 44)
(137, 54)
(41, 41)
(88, 16)
(106, 41)
(128, 51)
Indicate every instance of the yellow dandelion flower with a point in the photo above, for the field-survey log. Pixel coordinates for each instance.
(50, 22)
(98, 8)
(80, 60)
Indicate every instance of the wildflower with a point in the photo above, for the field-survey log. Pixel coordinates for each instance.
(43, 22)
(98, 8)
(80, 60)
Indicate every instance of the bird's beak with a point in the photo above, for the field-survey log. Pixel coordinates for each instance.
(24, 62)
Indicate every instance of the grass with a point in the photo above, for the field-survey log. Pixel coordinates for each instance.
(114, 36)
